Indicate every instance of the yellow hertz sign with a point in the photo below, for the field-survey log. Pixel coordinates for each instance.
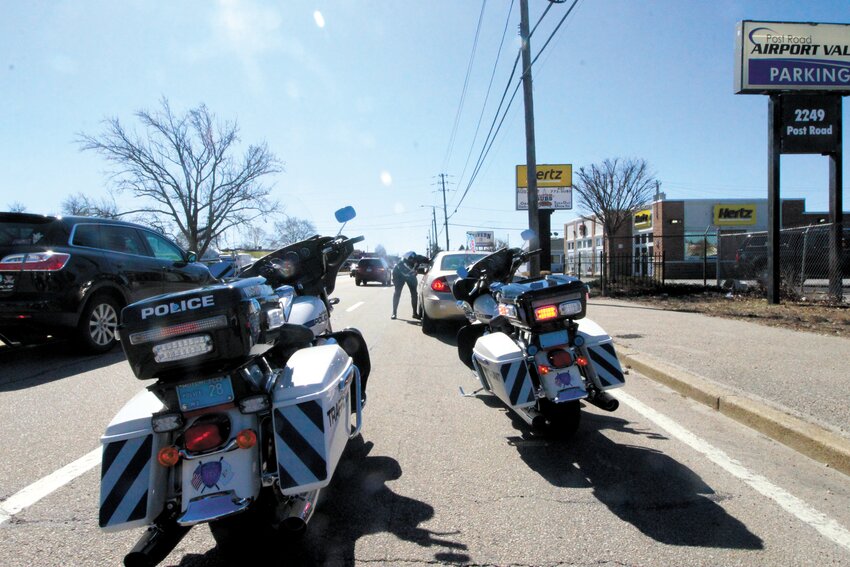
(734, 215)
(547, 175)
(643, 219)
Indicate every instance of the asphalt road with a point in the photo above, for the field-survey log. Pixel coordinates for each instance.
(442, 479)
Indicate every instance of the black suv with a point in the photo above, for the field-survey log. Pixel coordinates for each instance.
(73, 275)
(372, 270)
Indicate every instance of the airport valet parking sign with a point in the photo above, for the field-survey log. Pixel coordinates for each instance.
(805, 69)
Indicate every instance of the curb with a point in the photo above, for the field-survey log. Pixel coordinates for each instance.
(804, 437)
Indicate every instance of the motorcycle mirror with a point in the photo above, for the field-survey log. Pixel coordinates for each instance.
(463, 272)
(345, 214)
(527, 234)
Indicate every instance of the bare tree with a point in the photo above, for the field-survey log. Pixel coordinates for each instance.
(256, 237)
(184, 170)
(291, 230)
(80, 204)
(613, 190)
(17, 207)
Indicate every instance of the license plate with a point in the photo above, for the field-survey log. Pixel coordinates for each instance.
(204, 394)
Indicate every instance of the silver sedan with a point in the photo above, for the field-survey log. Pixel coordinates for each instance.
(436, 302)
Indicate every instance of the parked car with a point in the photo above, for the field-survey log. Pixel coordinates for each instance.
(73, 275)
(372, 270)
(434, 291)
(803, 253)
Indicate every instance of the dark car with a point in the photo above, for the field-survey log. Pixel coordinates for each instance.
(803, 254)
(73, 275)
(372, 270)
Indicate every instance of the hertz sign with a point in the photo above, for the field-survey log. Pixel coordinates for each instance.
(734, 215)
(643, 219)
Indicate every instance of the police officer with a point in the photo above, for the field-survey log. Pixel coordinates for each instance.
(405, 273)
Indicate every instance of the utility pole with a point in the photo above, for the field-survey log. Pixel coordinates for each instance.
(530, 152)
(445, 214)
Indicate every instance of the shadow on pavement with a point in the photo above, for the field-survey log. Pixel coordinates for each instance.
(358, 503)
(25, 367)
(662, 498)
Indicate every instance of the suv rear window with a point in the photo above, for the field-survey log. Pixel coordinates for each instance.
(49, 233)
(370, 262)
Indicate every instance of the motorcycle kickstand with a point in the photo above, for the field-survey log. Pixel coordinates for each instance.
(472, 395)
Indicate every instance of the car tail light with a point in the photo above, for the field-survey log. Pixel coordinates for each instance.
(559, 358)
(203, 437)
(440, 284)
(35, 262)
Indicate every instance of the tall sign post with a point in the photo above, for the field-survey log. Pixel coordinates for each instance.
(530, 151)
(783, 60)
(554, 192)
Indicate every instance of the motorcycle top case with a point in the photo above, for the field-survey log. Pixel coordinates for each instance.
(200, 329)
(311, 416)
(567, 294)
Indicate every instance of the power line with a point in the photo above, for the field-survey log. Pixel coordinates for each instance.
(465, 85)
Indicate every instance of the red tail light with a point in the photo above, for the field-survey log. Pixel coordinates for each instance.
(559, 358)
(203, 437)
(441, 284)
(34, 262)
(546, 312)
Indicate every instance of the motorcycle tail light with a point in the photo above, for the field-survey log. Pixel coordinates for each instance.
(581, 360)
(246, 439)
(168, 456)
(440, 284)
(203, 437)
(559, 358)
(543, 369)
(546, 312)
(35, 262)
(162, 333)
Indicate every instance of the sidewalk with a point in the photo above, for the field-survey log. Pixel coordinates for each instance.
(792, 386)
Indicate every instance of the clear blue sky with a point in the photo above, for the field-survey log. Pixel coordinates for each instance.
(359, 99)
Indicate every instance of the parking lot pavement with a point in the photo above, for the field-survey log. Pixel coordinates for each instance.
(789, 385)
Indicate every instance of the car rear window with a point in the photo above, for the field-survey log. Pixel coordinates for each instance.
(455, 261)
(48, 233)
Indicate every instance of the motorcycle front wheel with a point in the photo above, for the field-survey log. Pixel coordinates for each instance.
(562, 420)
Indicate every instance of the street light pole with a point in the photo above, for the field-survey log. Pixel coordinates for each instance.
(530, 152)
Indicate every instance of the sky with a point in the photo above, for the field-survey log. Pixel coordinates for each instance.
(364, 101)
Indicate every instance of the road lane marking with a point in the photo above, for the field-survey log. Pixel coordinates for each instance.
(827, 527)
(355, 306)
(28, 496)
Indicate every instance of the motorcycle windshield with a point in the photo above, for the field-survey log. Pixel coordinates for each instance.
(497, 265)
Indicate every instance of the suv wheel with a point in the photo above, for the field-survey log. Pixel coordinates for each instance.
(97, 331)
(357, 281)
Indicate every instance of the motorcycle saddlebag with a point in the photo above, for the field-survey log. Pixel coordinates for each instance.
(540, 301)
(599, 348)
(311, 416)
(502, 369)
(132, 483)
(200, 329)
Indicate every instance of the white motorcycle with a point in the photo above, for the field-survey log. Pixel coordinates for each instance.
(250, 409)
(527, 348)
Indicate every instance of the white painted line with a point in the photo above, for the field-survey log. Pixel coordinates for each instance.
(28, 496)
(355, 306)
(828, 527)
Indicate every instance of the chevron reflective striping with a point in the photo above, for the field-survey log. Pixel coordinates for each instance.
(517, 384)
(125, 474)
(300, 444)
(606, 364)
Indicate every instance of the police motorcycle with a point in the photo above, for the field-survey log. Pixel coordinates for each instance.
(254, 398)
(527, 347)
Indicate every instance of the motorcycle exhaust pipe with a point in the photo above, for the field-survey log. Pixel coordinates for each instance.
(155, 545)
(604, 401)
(298, 512)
